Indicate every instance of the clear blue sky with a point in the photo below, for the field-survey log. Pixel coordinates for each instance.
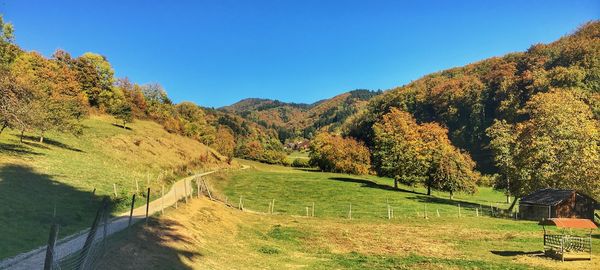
(217, 52)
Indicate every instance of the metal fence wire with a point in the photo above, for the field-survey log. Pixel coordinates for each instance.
(91, 251)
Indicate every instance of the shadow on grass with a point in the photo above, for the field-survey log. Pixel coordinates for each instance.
(34, 142)
(511, 253)
(15, 149)
(371, 184)
(307, 169)
(438, 200)
(152, 245)
(30, 202)
(121, 126)
(420, 197)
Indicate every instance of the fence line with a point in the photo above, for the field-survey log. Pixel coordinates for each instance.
(351, 210)
(65, 250)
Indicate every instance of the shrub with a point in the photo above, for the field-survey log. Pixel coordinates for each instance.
(301, 163)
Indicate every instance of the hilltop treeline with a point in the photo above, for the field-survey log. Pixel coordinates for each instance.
(40, 94)
(532, 117)
(293, 120)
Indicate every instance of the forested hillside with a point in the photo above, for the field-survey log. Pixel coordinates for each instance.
(531, 116)
(293, 120)
(41, 95)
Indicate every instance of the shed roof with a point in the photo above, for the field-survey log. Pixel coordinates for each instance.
(547, 196)
(576, 223)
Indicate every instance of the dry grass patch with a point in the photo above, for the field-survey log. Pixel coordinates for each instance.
(383, 239)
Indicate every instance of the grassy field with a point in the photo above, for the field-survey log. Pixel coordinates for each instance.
(297, 155)
(332, 194)
(210, 235)
(55, 180)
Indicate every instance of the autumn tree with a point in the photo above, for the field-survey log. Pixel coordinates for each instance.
(8, 49)
(225, 144)
(159, 106)
(15, 100)
(557, 146)
(123, 112)
(334, 153)
(133, 96)
(398, 148)
(56, 100)
(504, 145)
(96, 76)
(413, 153)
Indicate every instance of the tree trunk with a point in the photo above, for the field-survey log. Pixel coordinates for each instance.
(451, 195)
(3, 126)
(42, 137)
(512, 205)
(22, 131)
(395, 184)
(428, 190)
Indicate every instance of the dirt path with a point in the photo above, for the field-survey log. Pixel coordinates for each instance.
(35, 259)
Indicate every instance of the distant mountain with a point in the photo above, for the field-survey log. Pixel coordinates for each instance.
(298, 119)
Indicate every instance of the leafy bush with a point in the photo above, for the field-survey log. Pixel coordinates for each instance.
(301, 163)
(333, 153)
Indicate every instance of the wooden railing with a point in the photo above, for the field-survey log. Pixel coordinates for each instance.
(562, 244)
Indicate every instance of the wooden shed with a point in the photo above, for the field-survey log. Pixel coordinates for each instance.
(556, 203)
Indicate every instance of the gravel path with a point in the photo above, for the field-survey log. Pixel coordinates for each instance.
(35, 259)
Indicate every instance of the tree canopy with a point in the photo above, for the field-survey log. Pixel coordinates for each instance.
(414, 153)
(334, 153)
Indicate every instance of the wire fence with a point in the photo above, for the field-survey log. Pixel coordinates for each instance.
(388, 209)
(87, 252)
(92, 251)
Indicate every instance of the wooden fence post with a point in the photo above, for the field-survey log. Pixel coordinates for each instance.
(307, 211)
(241, 205)
(459, 210)
(115, 189)
(207, 190)
(185, 190)
(198, 187)
(147, 204)
(438, 212)
(350, 212)
(162, 200)
(273, 206)
(313, 209)
(50, 249)
(176, 198)
(131, 211)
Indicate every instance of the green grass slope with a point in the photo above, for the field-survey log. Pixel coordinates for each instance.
(295, 189)
(54, 181)
(209, 235)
